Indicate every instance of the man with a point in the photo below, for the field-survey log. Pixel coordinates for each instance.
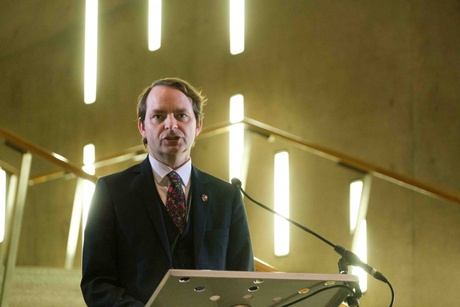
(131, 236)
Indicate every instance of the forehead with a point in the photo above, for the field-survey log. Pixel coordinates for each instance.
(162, 96)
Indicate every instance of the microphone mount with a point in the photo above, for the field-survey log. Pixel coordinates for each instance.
(348, 257)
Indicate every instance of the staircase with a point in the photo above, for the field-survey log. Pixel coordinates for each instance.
(45, 287)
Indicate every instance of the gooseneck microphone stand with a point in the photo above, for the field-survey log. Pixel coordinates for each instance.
(347, 257)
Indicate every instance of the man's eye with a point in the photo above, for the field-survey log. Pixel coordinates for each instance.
(157, 117)
(182, 115)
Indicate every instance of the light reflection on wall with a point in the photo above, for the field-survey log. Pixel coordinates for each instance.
(236, 136)
(2, 204)
(236, 26)
(356, 191)
(91, 23)
(154, 22)
(282, 203)
(89, 156)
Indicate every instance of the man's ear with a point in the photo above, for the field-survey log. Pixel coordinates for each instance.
(141, 127)
(198, 127)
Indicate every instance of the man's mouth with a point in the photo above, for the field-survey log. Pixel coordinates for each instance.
(171, 138)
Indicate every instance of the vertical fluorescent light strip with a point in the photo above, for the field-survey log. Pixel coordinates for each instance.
(356, 188)
(2, 204)
(236, 108)
(361, 252)
(89, 156)
(236, 136)
(356, 192)
(236, 26)
(91, 51)
(154, 25)
(281, 196)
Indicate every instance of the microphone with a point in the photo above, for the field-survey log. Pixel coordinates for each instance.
(350, 257)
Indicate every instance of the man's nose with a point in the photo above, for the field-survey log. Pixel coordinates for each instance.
(170, 122)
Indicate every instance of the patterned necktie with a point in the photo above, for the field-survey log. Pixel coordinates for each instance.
(175, 201)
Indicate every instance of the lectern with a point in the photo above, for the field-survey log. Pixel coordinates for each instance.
(254, 289)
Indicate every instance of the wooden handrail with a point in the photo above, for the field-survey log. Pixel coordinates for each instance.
(352, 162)
(9, 168)
(263, 266)
(23, 145)
(124, 155)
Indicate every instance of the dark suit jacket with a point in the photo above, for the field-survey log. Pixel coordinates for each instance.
(126, 249)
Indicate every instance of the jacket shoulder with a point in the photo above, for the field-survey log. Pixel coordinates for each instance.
(123, 175)
(216, 182)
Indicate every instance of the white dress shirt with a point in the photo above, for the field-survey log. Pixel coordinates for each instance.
(162, 182)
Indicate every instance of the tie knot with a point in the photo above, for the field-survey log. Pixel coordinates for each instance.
(174, 177)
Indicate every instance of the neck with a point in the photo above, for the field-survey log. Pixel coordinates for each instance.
(172, 161)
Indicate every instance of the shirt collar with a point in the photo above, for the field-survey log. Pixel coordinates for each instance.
(160, 170)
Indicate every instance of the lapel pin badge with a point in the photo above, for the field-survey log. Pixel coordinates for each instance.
(204, 197)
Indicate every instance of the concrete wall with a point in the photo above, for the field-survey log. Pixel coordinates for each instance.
(377, 80)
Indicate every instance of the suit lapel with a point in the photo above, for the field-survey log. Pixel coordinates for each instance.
(201, 202)
(146, 188)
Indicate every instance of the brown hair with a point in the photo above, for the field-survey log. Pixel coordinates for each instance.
(198, 100)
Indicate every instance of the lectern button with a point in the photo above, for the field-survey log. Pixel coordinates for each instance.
(184, 279)
(253, 289)
(199, 289)
(214, 298)
(304, 291)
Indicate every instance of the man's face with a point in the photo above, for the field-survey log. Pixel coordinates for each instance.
(170, 126)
